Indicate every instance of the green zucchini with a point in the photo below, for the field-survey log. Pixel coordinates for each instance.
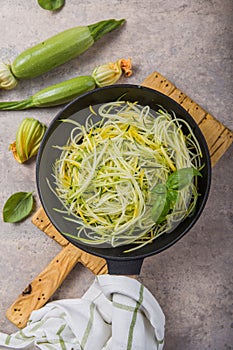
(64, 92)
(54, 51)
(54, 95)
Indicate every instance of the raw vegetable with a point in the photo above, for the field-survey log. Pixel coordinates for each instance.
(18, 206)
(53, 95)
(66, 91)
(112, 176)
(51, 5)
(28, 138)
(54, 51)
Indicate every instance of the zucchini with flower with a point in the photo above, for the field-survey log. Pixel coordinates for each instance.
(66, 91)
(28, 138)
(54, 51)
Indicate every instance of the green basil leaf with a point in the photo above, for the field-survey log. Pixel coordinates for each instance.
(161, 204)
(172, 196)
(181, 178)
(165, 211)
(51, 5)
(159, 189)
(18, 206)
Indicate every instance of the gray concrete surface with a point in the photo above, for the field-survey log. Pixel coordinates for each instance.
(190, 42)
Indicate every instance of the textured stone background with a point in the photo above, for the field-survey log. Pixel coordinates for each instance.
(190, 42)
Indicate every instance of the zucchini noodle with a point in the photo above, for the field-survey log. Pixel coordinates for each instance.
(107, 170)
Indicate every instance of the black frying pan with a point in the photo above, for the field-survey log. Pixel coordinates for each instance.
(58, 133)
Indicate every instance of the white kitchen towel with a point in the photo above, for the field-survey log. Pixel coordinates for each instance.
(116, 313)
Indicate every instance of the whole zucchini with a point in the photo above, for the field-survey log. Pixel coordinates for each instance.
(54, 51)
(66, 91)
(53, 95)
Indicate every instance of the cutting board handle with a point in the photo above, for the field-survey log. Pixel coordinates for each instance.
(38, 292)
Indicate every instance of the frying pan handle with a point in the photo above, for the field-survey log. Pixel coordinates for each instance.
(124, 267)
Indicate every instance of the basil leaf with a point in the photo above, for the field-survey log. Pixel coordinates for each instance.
(159, 189)
(161, 204)
(172, 196)
(51, 5)
(18, 206)
(165, 211)
(181, 178)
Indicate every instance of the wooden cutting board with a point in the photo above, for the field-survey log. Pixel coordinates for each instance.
(38, 292)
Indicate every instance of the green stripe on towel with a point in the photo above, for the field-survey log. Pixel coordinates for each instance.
(89, 325)
(133, 322)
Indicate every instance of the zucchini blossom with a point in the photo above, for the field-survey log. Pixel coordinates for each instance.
(28, 138)
(110, 73)
(7, 79)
